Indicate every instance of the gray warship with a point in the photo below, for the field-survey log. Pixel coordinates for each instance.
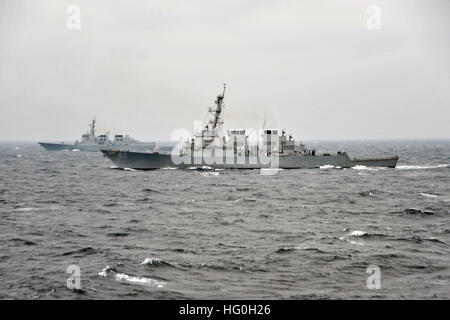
(211, 148)
(91, 142)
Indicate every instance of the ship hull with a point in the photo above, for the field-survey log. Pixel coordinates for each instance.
(56, 146)
(149, 161)
(141, 147)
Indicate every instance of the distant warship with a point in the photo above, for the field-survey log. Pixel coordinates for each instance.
(210, 148)
(91, 142)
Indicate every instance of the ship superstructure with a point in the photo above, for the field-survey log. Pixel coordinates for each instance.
(212, 147)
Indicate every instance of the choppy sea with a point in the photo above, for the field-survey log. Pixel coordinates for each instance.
(225, 234)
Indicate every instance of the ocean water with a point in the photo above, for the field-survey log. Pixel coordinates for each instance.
(226, 234)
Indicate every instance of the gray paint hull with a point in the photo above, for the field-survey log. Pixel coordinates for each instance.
(148, 161)
(142, 147)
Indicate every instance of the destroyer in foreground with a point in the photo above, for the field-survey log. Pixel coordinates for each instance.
(211, 148)
(91, 142)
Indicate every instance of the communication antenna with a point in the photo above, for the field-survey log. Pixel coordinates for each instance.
(93, 127)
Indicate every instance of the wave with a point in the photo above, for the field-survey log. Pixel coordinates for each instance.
(419, 239)
(329, 166)
(24, 241)
(26, 209)
(76, 150)
(154, 262)
(203, 168)
(299, 247)
(243, 189)
(117, 234)
(422, 167)
(220, 267)
(369, 193)
(84, 251)
(182, 250)
(355, 234)
(104, 272)
(284, 250)
(358, 233)
(306, 248)
(428, 195)
(351, 241)
(209, 174)
(360, 167)
(131, 279)
(417, 211)
(129, 169)
(139, 280)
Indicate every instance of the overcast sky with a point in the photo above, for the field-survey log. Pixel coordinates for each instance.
(147, 68)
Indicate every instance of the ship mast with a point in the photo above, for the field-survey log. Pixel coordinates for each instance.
(218, 110)
(211, 131)
(93, 128)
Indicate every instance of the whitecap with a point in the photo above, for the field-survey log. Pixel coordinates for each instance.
(26, 209)
(209, 174)
(359, 167)
(139, 280)
(19, 156)
(75, 150)
(428, 195)
(357, 233)
(204, 168)
(421, 167)
(104, 272)
(269, 169)
(351, 241)
(327, 166)
(129, 169)
(131, 279)
(151, 261)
